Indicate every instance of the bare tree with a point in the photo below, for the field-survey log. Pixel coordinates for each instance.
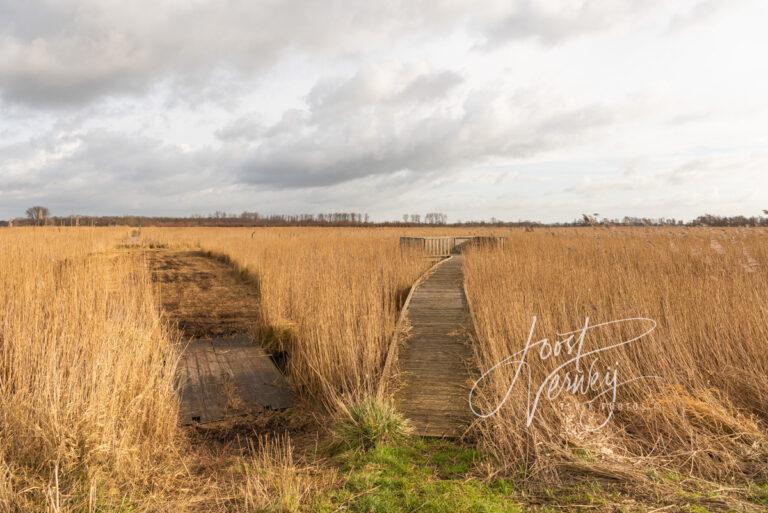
(436, 218)
(38, 215)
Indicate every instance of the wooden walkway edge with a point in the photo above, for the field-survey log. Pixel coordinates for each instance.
(432, 364)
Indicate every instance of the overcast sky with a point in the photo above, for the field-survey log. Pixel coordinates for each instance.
(515, 109)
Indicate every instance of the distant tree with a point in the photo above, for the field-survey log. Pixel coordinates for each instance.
(38, 215)
(436, 218)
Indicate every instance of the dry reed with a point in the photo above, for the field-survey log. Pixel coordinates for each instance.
(705, 412)
(88, 414)
(87, 411)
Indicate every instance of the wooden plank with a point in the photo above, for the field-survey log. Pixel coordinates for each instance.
(433, 364)
(222, 378)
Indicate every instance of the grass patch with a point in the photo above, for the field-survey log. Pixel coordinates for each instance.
(758, 494)
(367, 424)
(419, 475)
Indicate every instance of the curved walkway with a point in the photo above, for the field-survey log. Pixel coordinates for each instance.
(433, 364)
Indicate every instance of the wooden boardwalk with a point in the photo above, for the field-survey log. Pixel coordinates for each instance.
(222, 372)
(433, 364)
(228, 377)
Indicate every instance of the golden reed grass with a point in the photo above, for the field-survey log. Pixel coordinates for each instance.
(87, 411)
(706, 289)
(88, 417)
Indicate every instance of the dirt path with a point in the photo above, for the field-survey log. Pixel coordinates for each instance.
(203, 296)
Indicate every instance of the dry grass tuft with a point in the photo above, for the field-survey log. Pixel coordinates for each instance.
(367, 424)
(273, 482)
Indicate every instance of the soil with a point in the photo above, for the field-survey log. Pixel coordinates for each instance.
(204, 297)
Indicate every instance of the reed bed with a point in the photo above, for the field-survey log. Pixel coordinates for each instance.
(87, 410)
(700, 407)
(88, 414)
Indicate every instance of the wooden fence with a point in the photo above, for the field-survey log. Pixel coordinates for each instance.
(446, 246)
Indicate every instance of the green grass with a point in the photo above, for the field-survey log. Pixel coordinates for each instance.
(441, 476)
(694, 508)
(428, 476)
(759, 494)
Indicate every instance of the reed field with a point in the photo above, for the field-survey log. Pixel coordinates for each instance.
(89, 407)
(704, 410)
(87, 410)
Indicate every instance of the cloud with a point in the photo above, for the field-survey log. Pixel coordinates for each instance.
(698, 13)
(70, 52)
(197, 106)
(384, 126)
(104, 168)
(557, 21)
(381, 122)
(678, 174)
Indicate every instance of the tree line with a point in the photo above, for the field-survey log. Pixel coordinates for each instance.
(41, 216)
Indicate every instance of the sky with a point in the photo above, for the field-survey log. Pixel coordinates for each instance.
(514, 109)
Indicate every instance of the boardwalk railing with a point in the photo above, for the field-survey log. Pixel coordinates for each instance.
(442, 247)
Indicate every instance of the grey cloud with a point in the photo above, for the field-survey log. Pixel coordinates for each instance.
(243, 128)
(70, 52)
(348, 132)
(686, 172)
(679, 174)
(373, 86)
(574, 121)
(429, 87)
(528, 19)
(104, 168)
(557, 22)
(601, 186)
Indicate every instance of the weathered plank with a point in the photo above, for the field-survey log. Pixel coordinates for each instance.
(433, 365)
(220, 378)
